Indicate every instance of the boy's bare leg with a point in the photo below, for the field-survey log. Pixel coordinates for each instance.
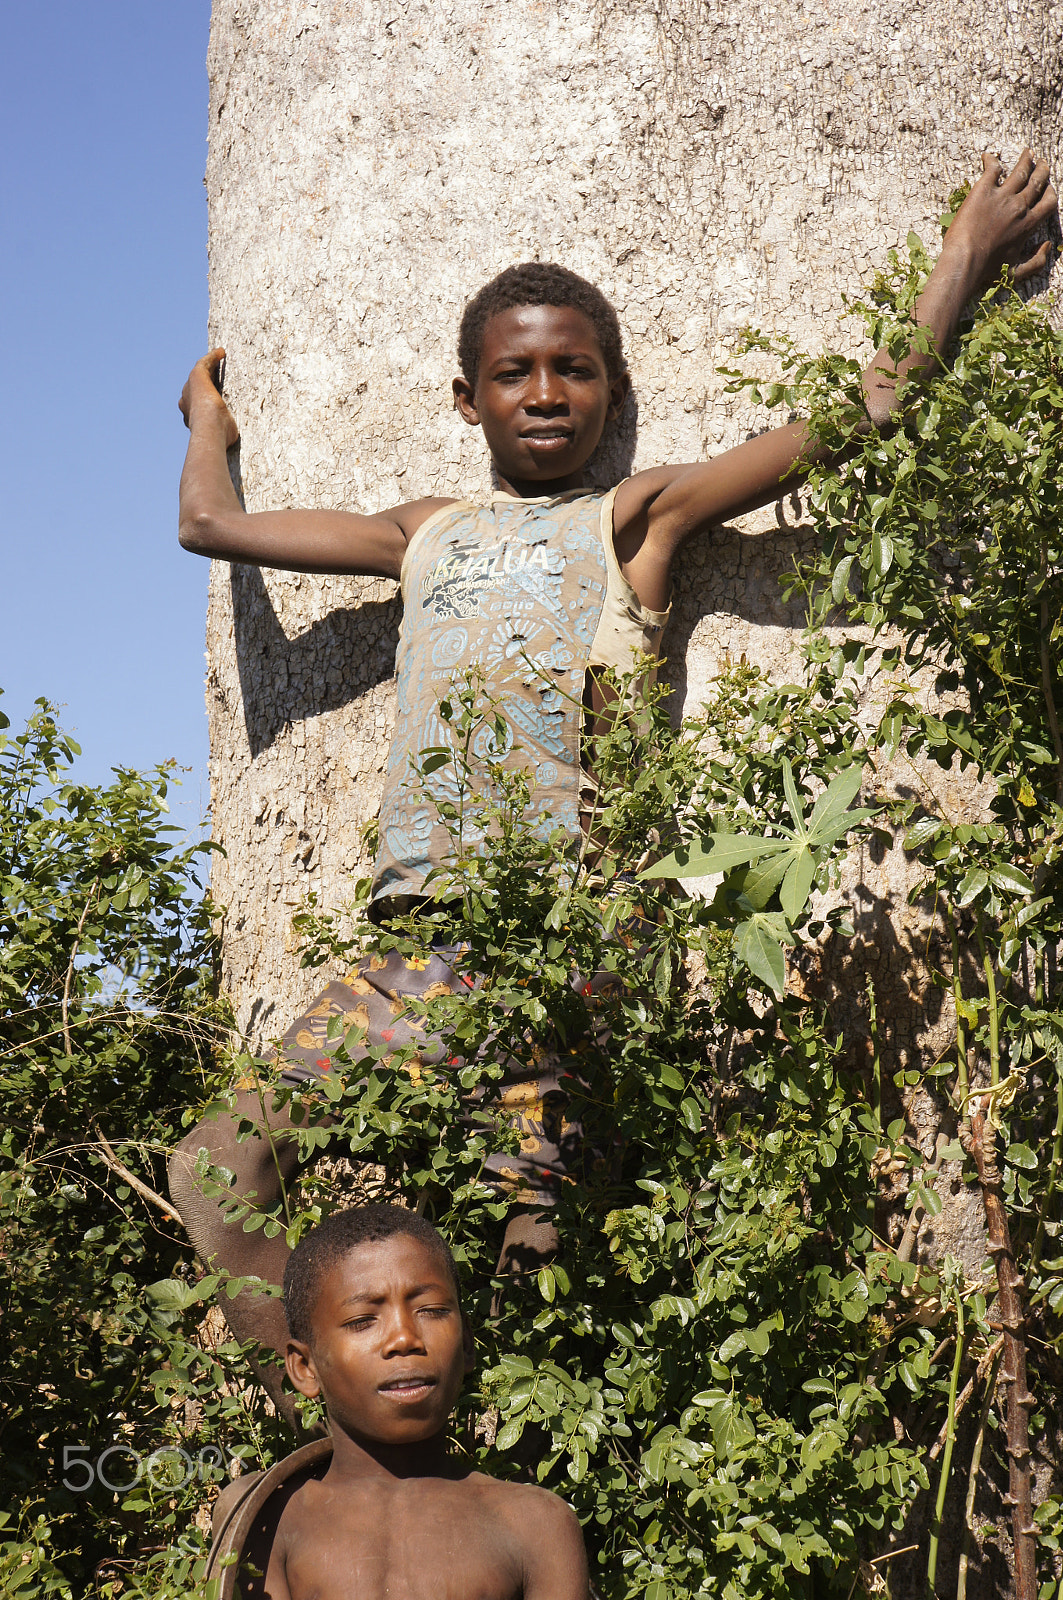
(263, 1164)
(530, 1242)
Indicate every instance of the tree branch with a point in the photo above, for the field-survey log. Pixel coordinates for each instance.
(982, 1146)
(133, 1181)
(69, 979)
(1050, 699)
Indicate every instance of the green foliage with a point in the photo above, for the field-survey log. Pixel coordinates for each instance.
(754, 869)
(710, 1369)
(940, 548)
(108, 1030)
(697, 1370)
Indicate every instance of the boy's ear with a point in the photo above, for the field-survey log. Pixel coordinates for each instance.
(465, 402)
(619, 390)
(468, 1345)
(299, 1364)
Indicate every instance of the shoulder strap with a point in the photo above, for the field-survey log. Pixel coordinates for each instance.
(431, 525)
(240, 1502)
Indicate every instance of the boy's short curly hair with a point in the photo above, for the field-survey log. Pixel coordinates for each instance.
(315, 1256)
(538, 283)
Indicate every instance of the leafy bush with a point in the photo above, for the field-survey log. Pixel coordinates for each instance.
(108, 1029)
(941, 548)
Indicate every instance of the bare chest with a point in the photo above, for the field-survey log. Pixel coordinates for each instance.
(412, 1547)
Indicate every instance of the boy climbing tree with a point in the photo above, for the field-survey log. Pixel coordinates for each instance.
(540, 589)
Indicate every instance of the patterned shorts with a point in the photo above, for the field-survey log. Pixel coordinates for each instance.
(372, 997)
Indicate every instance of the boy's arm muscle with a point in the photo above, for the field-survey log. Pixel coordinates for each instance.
(275, 1586)
(658, 509)
(213, 522)
(554, 1558)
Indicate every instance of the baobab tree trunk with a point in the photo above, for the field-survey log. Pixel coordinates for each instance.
(709, 164)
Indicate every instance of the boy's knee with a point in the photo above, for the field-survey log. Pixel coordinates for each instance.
(261, 1161)
(196, 1209)
(531, 1241)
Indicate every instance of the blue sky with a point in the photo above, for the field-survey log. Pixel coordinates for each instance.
(104, 279)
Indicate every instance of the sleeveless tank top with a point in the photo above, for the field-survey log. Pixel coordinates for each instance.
(531, 593)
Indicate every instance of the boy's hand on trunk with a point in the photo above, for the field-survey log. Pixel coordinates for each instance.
(201, 397)
(995, 223)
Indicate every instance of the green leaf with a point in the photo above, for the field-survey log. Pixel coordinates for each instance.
(432, 763)
(509, 1434)
(881, 552)
(759, 1339)
(835, 800)
(731, 1346)
(793, 799)
(972, 884)
(797, 884)
(173, 1294)
(758, 945)
(922, 832)
(691, 1114)
(715, 853)
(1005, 876)
(839, 583)
(758, 883)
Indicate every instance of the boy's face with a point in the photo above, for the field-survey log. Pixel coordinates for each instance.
(543, 394)
(389, 1347)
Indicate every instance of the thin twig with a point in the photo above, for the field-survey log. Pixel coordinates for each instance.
(904, 1249)
(965, 1394)
(993, 1007)
(890, 1555)
(69, 979)
(1049, 1195)
(946, 1465)
(260, 1095)
(982, 1146)
(158, 1020)
(903, 1252)
(1050, 699)
(133, 1181)
(957, 996)
(972, 1479)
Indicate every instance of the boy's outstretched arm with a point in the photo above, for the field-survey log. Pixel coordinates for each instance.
(657, 510)
(214, 523)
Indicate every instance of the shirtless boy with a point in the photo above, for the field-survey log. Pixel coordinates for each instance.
(549, 572)
(377, 1331)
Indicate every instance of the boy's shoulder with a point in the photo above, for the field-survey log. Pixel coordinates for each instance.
(528, 1509)
(639, 491)
(411, 514)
